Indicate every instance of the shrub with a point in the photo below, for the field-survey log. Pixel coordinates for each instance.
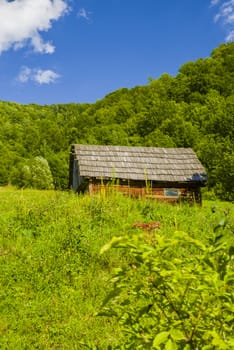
(35, 173)
(177, 292)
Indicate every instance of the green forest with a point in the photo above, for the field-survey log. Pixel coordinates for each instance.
(194, 109)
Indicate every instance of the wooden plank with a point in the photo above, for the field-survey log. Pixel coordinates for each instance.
(140, 191)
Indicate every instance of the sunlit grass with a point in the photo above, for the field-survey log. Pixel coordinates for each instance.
(53, 278)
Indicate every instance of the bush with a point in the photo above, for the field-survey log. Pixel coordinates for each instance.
(177, 292)
(35, 173)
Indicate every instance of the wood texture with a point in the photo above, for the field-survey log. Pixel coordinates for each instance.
(139, 163)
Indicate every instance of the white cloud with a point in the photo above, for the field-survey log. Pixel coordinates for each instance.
(225, 14)
(84, 14)
(37, 75)
(230, 36)
(214, 2)
(23, 21)
(24, 75)
(45, 76)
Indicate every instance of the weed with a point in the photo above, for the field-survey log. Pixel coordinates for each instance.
(53, 279)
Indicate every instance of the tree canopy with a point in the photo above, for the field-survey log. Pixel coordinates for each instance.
(194, 109)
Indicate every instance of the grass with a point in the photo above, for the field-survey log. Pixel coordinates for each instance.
(53, 278)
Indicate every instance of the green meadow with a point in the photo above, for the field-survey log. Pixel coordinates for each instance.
(54, 280)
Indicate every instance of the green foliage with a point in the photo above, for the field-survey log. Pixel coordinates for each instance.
(35, 173)
(218, 155)
(194, 109)
(53, 279)
(176, 293)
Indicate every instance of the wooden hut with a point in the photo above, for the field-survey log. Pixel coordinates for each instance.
(164, 173)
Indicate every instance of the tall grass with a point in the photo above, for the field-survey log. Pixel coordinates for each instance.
(53, 278)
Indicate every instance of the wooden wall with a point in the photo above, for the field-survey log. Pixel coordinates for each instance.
(190, 194)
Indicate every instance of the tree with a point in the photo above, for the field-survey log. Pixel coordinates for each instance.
(193, 109)
(35, 173)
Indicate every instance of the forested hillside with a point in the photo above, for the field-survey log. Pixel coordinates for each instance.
(193, 109)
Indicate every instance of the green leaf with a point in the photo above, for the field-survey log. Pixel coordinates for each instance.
(182, 235)
(222, 223)
(231, 343)
(114, 241)
(114, 293)
(107, 313)
(170, 345)
(231, 251)
(176, 334)
(217, 238)
(229, 278)
(160, 338)
(144, 310)
(217, 341)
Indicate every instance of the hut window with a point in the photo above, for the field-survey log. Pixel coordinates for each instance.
(171, 192)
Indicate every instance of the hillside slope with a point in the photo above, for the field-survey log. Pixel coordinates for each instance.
(193, 109)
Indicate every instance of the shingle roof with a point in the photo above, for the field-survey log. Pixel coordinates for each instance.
(139, 163)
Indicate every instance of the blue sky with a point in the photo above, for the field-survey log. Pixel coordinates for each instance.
(64, 51)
